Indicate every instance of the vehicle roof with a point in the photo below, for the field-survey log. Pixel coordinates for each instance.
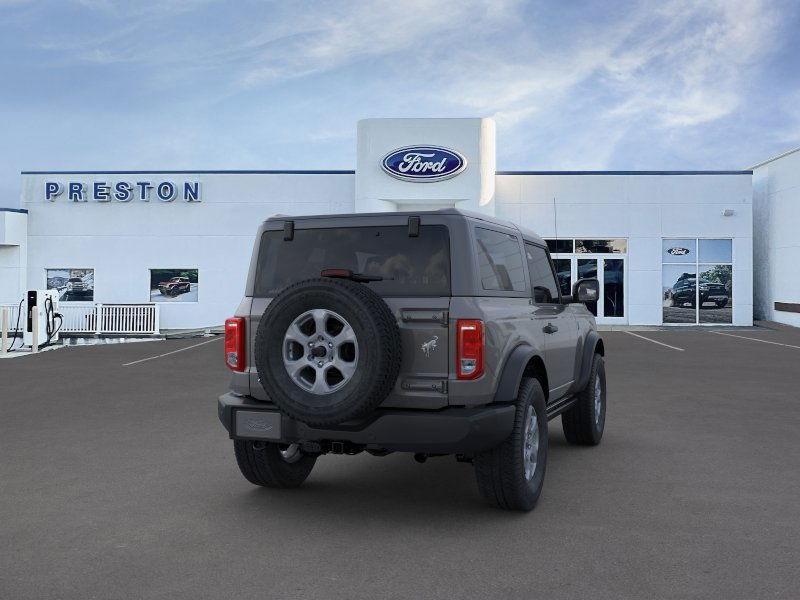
(458, 212)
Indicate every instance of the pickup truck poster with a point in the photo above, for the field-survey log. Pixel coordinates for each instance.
(686, 302)
(173, 285)
(73, 285)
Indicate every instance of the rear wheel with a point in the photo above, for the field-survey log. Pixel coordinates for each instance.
(273, 465)
(584, 423)
(511, 475)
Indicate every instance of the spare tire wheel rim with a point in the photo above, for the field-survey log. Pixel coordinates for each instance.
(320, 351)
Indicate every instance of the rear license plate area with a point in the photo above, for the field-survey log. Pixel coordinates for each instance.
(257, 424)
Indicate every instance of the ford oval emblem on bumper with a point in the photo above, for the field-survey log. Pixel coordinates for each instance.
(423, 163)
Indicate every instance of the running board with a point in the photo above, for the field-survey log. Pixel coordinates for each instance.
(559, 406)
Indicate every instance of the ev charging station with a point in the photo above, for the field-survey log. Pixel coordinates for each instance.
(42, 320)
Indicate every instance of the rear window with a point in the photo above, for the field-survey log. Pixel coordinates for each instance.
(410, 266)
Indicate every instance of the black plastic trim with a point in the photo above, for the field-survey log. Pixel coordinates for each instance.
(589, 348)
(288, 231)
(508, 387)
(559, 406)
(447, 431)
(413, 226)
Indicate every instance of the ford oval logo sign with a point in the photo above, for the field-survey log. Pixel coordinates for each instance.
(423, 163)
(678, 251)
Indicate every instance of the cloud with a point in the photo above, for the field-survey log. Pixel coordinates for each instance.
(580, 85)
(335, 34)
(692, 66)
(682, 65)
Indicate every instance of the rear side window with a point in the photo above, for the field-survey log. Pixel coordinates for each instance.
(410, 266)
(543, 282)
(500, 261)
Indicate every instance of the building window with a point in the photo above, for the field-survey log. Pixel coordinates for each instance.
(560, 246)
(692, 299)
(613, 246)
(73, 285)
(174, 285)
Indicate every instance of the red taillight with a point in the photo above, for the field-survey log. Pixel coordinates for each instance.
(234, 343)
(469, 348)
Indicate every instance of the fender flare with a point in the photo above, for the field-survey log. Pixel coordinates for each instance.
(511, 377)
(590, 345)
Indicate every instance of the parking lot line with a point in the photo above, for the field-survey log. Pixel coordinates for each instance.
(756, 340)
(654, 341)
(141, 360)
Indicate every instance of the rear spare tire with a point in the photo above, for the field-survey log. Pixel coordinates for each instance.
(327, 350)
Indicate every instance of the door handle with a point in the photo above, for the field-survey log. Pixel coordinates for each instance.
(549, 328)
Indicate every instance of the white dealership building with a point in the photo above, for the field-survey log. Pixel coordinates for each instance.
(668, 247)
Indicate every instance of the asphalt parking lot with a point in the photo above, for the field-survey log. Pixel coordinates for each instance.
(119, 482)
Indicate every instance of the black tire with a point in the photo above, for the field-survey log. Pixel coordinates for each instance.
(379, 350)
(262, 464)
(501, 471)
(583, 425)
(722, 304)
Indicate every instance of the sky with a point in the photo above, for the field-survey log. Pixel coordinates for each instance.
(196, 84)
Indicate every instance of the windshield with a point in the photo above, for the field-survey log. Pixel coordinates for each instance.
(410, 266)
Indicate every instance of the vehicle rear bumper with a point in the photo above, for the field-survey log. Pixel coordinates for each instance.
(447, 431)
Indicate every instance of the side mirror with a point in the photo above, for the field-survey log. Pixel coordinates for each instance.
(586, 290)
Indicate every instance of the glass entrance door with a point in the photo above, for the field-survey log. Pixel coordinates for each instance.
(587, 268)
(603, 260)
(610, 272)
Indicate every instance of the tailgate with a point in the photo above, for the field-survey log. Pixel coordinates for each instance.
(422, 382)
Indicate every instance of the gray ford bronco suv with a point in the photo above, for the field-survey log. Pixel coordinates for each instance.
(441, 332)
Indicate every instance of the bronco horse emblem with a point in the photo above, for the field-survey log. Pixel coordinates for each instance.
(429, 346)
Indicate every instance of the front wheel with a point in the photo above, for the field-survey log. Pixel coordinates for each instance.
(584, 423)
(511, 475)
(273, 465)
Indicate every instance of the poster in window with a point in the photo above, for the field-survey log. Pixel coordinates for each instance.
(716, 293)
(173, 285)
(73, 285)
(679, 293)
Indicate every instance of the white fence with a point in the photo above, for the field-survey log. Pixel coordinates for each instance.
(99, 318)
